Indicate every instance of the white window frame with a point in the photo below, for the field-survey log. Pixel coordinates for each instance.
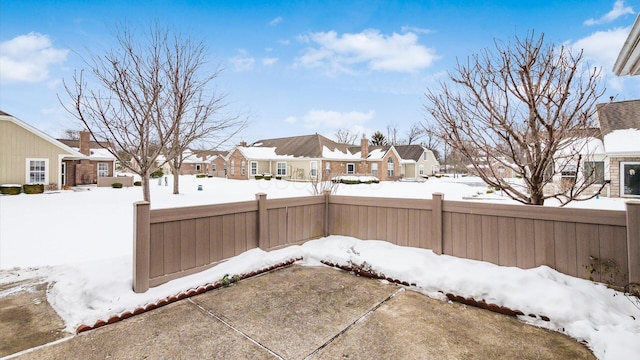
(198, 167)
(353, 168)
(421, 169)
(596, 175)
(623, 177)
(213, 166)
(313, 166)
(253, 168)
(28, 178)
(103, 172)
(281, 168)
(232, 166)
(374, 169)
(390, 167)
(243, 167)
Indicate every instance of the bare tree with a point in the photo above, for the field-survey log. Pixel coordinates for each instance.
(416, 132)
(192, 106)
(525, 106)
(432, 141)
(345, 136)
(392, 134)
(125, 102)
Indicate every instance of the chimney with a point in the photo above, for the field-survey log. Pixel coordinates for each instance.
(364, 147)
(243, 143)
(84, 143)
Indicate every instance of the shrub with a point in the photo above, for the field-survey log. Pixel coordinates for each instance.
(10, 189)
(267, 177)
(137, 183)
(259, 177)
(116, 185)
(200, 176)
(33, 188)
(157, 174)
(278, 177)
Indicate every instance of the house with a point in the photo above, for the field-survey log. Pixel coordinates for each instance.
(99, 162)
(28, 156)
(312, 157)
(620, 163)
(210, 162)
(217, 161)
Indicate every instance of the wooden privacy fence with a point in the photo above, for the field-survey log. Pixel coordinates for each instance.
(601, 244)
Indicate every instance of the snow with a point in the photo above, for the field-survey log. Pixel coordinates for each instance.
(622, 141)
(336, 154)
(81, 244)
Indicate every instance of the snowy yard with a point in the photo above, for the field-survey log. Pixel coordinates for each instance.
(82, 242)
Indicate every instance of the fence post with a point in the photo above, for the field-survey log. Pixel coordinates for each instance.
(263, 221)
(436, 222)
(327, 194)
(633, 241)
(141, 246)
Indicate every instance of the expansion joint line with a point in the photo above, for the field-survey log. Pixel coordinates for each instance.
(357, 321)
(237, 330)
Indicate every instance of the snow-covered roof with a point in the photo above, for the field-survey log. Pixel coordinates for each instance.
(262, 153)
(622, 141)
(337, 154)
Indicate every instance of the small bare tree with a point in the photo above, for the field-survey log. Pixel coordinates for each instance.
(192, 106)
(415, 133)
(526, 106)
(345, 136)
(320, 184)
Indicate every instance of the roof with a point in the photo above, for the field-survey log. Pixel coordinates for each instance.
(75, 143)
(309, 146)
(619, 115)
(628, 61)
(72, 154)
(410, 152)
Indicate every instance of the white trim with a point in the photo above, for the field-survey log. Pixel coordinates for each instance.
(354, 168)
(278, 170)
(622, 178)
(313, 165)
(252, 171)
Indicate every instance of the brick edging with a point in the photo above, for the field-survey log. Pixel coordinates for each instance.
(456, 298)
(181, 295)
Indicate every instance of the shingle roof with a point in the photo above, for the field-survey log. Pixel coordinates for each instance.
(410, 152)
(92, 144)
(619, 115)
(301, 146)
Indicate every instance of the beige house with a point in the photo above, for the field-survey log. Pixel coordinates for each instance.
(314, 156)
(29, 156)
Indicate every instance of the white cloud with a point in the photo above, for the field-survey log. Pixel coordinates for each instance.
(284, 42)
(395, 52)
(602, 47)
(416, 30)
(276, 21)
(242, 62)
(291, 120)
(618, 10)
(315, 119)
(27, 58)
(269, 61)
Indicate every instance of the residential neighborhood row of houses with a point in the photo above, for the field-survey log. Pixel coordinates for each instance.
(27, 155)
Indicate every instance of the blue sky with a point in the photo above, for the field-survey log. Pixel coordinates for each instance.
(300, 67)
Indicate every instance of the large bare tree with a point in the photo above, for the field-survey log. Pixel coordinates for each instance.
(143, 95)
(524, 105)
(345, 136)
(194, 107)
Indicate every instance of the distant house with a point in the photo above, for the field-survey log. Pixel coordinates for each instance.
(314, 156)
(98, 161)
(29, 156)
(210, 162)
(620, 127)
(217, 161)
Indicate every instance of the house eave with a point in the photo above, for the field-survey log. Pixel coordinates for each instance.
(628, 61)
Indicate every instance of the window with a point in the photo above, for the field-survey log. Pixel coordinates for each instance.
(421, 169)
(327, 167)
(314, 169)
(569, 170)
(103, 169)
(374, 169)
(351, 168)
(253, 168)
(233, 165)
(243, 166)
(281, 168)
(390, 169)
(198, 167)
(37, 171)
(630, 179)
(424, 155)
(213, 166)
(594, 172)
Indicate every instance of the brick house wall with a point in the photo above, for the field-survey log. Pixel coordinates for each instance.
(234, 167)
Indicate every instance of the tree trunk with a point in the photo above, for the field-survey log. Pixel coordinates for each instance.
(176, 180)
(146, 193)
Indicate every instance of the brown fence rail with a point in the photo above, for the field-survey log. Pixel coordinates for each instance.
(599, 244)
